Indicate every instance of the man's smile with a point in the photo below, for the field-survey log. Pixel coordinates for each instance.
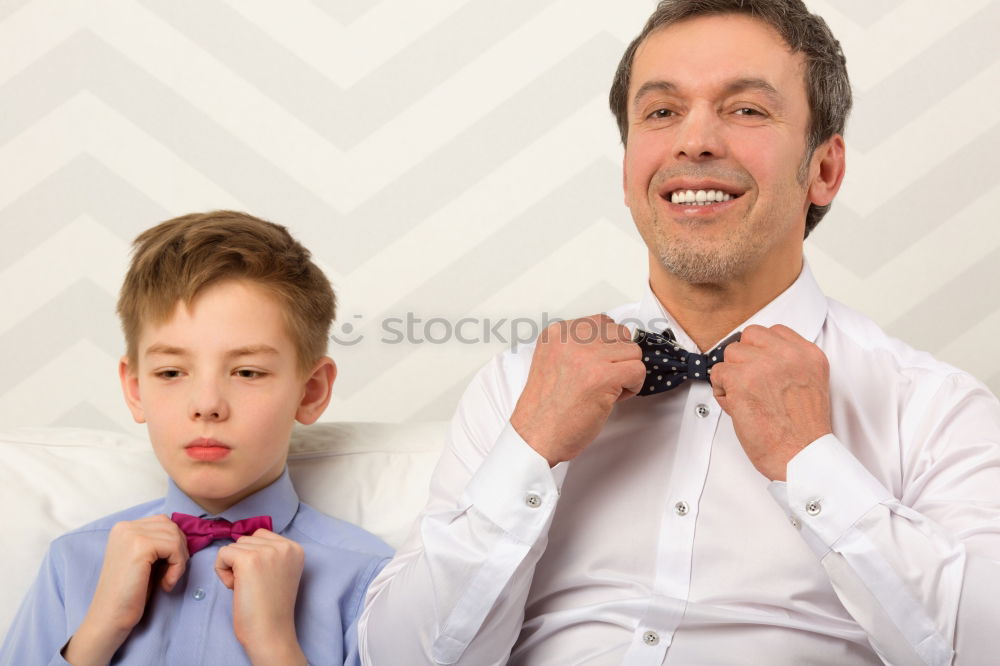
(699, 197)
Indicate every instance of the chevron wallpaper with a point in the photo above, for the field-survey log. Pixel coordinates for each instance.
(453, 165)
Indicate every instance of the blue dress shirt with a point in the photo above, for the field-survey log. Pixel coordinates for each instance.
(193, 624)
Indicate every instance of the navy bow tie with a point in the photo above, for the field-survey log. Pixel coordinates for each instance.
(668, 365)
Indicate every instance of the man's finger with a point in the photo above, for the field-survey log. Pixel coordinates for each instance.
(786, 333)
(630, 376)
(754, 335)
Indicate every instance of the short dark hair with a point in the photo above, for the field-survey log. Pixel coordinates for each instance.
(174, 261)
(827, 85)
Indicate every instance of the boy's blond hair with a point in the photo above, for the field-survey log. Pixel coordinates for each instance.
(175, 260)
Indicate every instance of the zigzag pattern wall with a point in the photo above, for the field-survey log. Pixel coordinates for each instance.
(445, 160)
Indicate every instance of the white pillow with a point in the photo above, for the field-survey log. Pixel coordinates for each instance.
(53, 480)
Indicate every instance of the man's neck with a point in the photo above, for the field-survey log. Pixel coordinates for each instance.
(708, 312)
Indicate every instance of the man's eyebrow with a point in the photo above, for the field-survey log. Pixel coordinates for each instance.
(731, 88)
(652, 86)
(757, 85)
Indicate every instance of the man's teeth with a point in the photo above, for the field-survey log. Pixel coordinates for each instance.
(699, 197)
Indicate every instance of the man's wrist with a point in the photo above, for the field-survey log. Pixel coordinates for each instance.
(534, 440)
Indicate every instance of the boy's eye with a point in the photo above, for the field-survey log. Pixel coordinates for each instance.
(168, 374)
(249, 373)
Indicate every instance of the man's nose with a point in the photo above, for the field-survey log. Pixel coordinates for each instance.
(699, 135)
(208, 403)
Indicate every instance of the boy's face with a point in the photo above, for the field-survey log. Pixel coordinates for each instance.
(219, 387)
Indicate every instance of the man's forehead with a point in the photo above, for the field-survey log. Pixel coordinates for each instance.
(721, 47)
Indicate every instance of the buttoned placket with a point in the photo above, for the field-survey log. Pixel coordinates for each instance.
(201, 588)
(672, 584)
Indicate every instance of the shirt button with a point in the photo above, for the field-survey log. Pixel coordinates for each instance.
(702, 411)
(681, 508)
(533, 500)
(198, 594)
(650, 638)
(795, 522)
(813, 507)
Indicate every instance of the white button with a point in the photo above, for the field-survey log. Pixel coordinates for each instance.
(650, 638)
(794, 522)
(533, 500)
(813, 507)
(199, 594)
(702, 411)
(681, 508)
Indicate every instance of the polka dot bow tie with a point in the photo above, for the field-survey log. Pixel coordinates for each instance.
(200, 532)
(668, 365)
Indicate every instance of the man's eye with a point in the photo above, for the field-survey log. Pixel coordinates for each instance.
(748, 111)
(661, 113)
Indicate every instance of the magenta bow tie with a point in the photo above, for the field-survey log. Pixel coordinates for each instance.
(200, 531)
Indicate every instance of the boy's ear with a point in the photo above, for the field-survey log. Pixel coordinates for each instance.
(317, 391)
(130, 388)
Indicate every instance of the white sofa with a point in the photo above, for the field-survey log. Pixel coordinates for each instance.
(55, 479)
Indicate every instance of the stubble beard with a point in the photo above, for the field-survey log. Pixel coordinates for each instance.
(697, 262)
(702, 262)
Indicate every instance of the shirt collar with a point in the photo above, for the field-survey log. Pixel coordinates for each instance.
(278, 500)
(802, 307)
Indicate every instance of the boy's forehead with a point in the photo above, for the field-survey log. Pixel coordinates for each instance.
(227, 317)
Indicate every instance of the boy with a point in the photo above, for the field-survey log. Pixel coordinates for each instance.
(226, 322)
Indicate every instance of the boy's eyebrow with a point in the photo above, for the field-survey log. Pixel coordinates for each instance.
(249, 350)
(731, 88)
(253, 349)
(165, 350)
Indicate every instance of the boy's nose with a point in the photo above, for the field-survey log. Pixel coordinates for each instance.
(214, 414)
(209, 405)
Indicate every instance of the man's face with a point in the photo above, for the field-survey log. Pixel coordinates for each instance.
(717, 107)
(219, 388)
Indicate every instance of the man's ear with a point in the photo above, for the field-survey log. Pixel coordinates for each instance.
(827, 171)
(317, 391)
(130, 389)
(624, 183)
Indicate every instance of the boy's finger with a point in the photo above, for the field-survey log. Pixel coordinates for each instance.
(176, 557)
(226, 576)
(224, 565)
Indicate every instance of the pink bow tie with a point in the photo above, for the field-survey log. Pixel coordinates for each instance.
(200, 532)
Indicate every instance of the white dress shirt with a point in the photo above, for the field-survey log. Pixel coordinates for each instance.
(661, 544)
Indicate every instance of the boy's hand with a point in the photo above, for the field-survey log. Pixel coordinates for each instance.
(263, 571)
(133, 548)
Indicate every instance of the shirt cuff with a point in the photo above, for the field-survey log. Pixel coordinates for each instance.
(827, 492)
(515, 488)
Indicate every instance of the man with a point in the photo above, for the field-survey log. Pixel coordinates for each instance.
(828, 497)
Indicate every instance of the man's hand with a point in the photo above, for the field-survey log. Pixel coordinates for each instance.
(776, 387)
(579, 370)
(263, 571)
(126, 580)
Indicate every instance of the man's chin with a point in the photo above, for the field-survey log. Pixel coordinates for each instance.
(701, 267)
